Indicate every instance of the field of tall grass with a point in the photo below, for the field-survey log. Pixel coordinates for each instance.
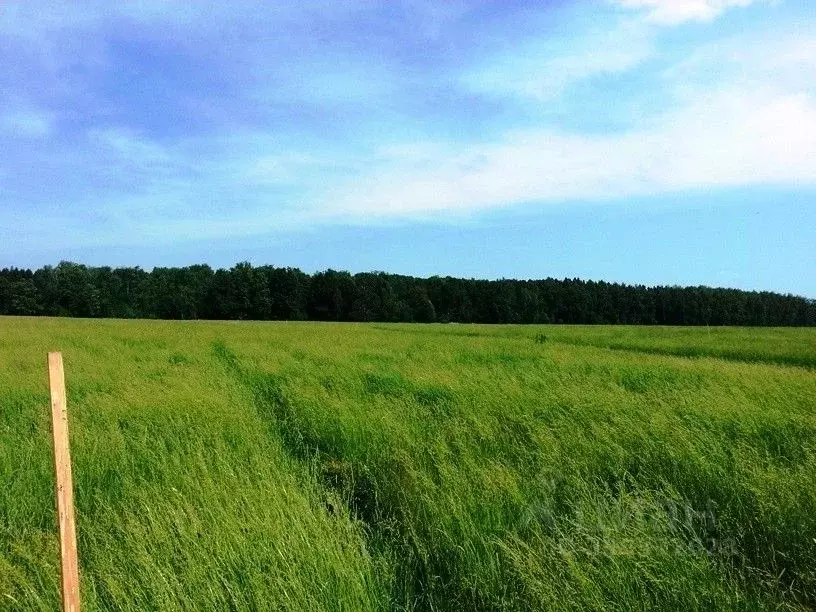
(307, 466)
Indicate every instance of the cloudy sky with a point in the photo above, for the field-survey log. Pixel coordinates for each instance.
(647, 141)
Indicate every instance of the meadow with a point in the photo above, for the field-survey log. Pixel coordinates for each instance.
(318, 466)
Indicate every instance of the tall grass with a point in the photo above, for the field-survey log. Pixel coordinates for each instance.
(320, 466)
(782, 345)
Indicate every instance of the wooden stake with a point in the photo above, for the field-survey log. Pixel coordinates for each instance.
(65, 489)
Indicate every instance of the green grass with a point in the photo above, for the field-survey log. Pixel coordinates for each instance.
(782, 345)
(304, 466)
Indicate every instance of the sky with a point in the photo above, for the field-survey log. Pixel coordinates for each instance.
(662, 142)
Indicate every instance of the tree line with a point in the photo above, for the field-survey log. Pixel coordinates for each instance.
(270, 293)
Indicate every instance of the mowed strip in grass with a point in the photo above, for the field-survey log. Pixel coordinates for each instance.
(307, 466)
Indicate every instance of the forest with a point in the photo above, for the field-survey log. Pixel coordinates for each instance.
(247, 292)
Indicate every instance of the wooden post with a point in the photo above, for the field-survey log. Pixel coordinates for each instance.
(65, 488)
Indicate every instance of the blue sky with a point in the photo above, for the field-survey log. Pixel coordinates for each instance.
(641, 141)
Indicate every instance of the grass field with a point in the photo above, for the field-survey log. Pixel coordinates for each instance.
(304, 466)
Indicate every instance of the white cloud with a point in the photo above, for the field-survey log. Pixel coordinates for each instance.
(732, 113)
(672, 12)
(28, 124)
(542, 70)
(723, 114)
(787, 64)
(127, 144)
(731, 138)
(280, 168)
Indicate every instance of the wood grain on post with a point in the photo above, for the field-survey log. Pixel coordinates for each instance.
(65, 488)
